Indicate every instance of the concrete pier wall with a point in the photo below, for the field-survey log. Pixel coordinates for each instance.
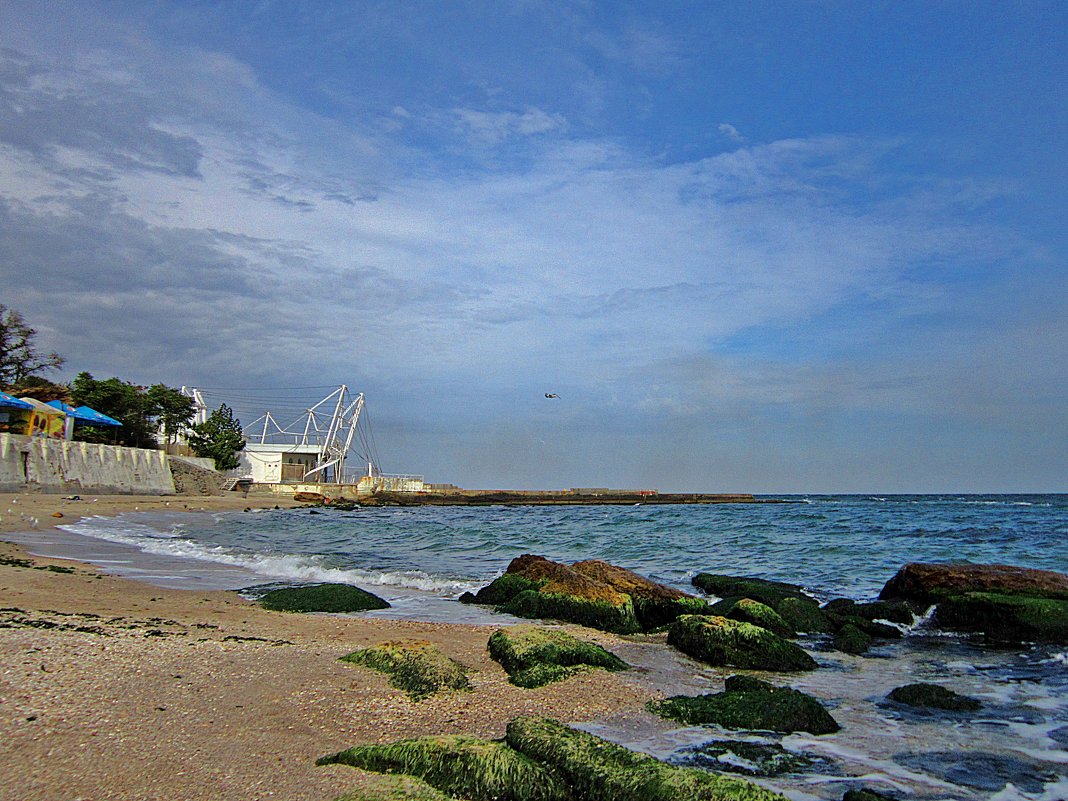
(52, 465)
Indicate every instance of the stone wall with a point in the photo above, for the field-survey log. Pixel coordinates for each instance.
(52, 465)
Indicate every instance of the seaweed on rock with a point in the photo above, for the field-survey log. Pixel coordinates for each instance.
(719, 641)
(598, 770)
(322, 598)
(464, 767)
(749, 611)
(534, 656)
(933, 696)
(852, 640)
(417, 668)
(751, 704)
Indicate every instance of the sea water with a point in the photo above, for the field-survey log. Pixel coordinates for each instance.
(422, 558)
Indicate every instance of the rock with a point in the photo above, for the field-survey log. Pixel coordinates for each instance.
(534, 656)
(322, 598)
(751, 704)
(720, 641)
(872, 628)
(598, 770)
(752, 759)
(804, 615)
(852, 640)
(767, 592)
(591, 593)
(749, 611)
(929, 583)
(309, 497)
(417, 668)
(934, 696)
(866, 795)
(461, 767)
(1005, 618)
(894, 611)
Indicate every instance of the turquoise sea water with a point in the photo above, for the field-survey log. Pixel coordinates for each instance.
(422, 558)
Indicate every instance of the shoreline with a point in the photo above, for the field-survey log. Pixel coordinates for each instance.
(118, 689)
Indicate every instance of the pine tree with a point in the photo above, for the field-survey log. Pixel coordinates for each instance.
(218, 438)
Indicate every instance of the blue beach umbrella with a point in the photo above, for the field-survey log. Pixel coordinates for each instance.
(11, 402)
(93, 417)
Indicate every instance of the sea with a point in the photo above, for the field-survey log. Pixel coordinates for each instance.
(421, 559)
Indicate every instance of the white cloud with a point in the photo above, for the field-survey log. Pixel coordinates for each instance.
(730, 132)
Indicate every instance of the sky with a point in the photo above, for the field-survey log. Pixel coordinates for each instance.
(761, 247)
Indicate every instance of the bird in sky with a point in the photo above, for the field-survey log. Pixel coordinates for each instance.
(552, 395)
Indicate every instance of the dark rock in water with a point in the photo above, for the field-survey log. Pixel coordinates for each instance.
(804, 614)
(594, 768)
(752, 759)
(929, 583)
(417, 668)
(534, 656)
(591, 593)
(749, 611)
(934, 696)
(322, 598)
(981, 770)
(1005, 618)
(763, 590)
(879, 631)
(866, 795)
(851, 640)
(751, 704)
(894, 611)
(719, 641)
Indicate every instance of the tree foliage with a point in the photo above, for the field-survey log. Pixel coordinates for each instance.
(173, 409)
(19, 357)
(218, 438)
(139, 409)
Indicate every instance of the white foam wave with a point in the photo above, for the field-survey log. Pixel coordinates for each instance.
(1054, 791)
(291, 567)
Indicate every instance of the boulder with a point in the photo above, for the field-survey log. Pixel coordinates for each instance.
(591, 593)
(751, 704)
(926, 584)
(334, 598)
(1008, 619)
(804, 615)
(720, 641)
(934, 696)
(798, 610)
(534, 656)
(852, 640)
(751, 758)
(417, 668)
(894, 611)
(749, 611)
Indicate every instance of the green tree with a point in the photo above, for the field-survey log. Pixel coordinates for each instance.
(219, 438)
(126, 402)
(18, 353)
(173, 409)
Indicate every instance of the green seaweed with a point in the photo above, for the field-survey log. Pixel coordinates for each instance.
(749, 611)
(596, 614)
(322, 598)
(934, 696)
(751, 704)
(767, 592)
(751, 759)
(465, 767)
(598, 770)
(803, 615)
(723, 642)
(851, 640)
(1005, 618)
(894, 611)
(502, 590)
(534, 656)
(417, 668)
(398, 788)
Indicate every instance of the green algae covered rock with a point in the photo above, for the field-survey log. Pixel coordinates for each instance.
(417, 668)
(852, 640)
(804, 615)
(322, 598)
(751, 704)
(751, 759)
(720, 641)
(894, 611)
(1005, 618)
(598, 770)
(534, 656)
(398, 788)
(934, 696)
(927, 584)
(866, 795)
(767, 592)
(749, 611)
(461, 767)
(591, 593)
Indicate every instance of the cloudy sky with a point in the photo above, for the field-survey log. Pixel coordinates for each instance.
(766, 246)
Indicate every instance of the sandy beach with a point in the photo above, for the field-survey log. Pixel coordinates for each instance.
(115, 689)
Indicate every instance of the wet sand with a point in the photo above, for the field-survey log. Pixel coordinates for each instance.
(116, 689)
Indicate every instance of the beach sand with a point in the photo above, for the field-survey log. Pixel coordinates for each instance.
(115, 689)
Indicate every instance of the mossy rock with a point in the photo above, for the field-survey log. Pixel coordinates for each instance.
(749, 611)
(934, 696)
(752, 759)
(465, 767)
(866, 795)
(804, 615)
(767, 592)
(851, 640)
(417, 668)
(604, 615)
(322, 598)
(719, 641)
(879, 631)
(534, 656)
(598, 770)
(894, 611)
(1005, 618)
(502, 590)
(751, 704)
(926, 584)
(398, 788)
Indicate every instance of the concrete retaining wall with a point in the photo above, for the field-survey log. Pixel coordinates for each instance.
(52, 465)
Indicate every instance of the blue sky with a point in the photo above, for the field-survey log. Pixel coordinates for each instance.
(768, 247)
